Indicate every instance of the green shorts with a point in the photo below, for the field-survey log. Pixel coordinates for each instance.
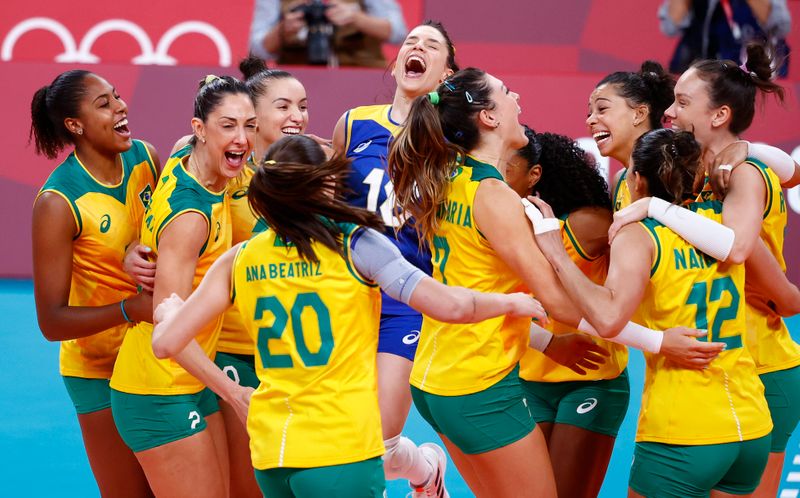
(147, 421)
(782, 390)
(88, 395)
(674, 471)
(597, 406)
(357, 480)
(241, 368)
(482, 421)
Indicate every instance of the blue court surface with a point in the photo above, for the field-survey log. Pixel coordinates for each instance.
(42, 451)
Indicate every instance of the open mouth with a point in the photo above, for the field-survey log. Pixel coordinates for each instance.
(234, 159)
(121, 127)
(290, 130)
(601, 137)
(415, 66)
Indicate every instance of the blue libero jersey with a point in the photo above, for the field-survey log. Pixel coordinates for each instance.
(368, 132)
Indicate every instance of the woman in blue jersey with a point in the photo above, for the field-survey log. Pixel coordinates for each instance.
(425, 59)
(83, 220)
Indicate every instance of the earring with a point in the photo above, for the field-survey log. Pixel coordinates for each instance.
(203, 140)
(80, 131)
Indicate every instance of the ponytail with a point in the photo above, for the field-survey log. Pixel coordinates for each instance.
(439, 129)
(299, 195)
(50, 106)
(736, 86)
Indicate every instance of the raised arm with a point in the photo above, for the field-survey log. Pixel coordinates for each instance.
(379, 260)
(53, 229)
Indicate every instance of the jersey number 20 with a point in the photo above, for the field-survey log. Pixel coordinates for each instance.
(302, 301)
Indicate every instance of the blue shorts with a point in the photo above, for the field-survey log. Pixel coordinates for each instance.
(399, 335)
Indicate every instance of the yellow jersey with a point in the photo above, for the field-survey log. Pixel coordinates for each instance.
(622, 195)
(137, 370)
(767, 338)
(458, 359)
(107, 217)
(535, 366)
(234, 337)
(725, 402)
(315, 326)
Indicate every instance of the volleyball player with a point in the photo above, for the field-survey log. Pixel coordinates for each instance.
(84, 218)
(160, 408)
(363, 134)
(307, 287)
(622, 107)
(579, 409)
(661, 280)
(716, 100)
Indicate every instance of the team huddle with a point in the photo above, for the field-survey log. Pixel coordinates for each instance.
(256, 315)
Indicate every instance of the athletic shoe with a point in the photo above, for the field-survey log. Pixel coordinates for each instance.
(434, 454)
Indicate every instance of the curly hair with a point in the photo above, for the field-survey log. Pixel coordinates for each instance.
(569, 179)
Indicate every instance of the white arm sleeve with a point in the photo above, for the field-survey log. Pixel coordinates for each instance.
(632, 334)
(539, 337)
(711, 237)
(778, 161)
(377, 259)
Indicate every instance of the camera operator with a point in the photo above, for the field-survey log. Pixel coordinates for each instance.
(359, 27)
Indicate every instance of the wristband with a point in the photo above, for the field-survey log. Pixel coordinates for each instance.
(540, 223)
(632, 334)
(124, 314)
(539, 337)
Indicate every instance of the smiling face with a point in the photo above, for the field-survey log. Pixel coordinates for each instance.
(229, 133)
(505, 114)
(612, 123)
(421, 62)
(282, 111)
(692, 110)
(102, 116)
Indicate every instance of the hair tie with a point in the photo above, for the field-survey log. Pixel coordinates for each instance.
(459, 134)
(210, 78)
(434, 97)
(270, 161)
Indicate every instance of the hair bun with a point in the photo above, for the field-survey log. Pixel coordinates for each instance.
(251, 66)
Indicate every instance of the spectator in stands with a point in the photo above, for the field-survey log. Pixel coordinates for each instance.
(358, 28)
(720, 29)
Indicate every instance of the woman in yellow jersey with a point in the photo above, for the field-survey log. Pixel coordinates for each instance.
(159, 406)
(580, 408)
(281, 109)
(307, 286)
(363, 134)
(622, 107)
(84, 218)
(699, 430)
(716, 100)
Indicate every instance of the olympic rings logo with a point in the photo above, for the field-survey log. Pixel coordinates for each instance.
(83, 53)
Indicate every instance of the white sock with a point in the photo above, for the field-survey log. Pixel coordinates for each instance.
(404, 460)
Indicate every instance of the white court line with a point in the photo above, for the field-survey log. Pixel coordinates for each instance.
(789, 493)
(796, 460)
(793, 477)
